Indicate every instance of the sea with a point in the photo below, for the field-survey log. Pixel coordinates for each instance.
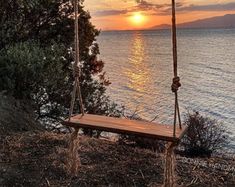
(139, 66)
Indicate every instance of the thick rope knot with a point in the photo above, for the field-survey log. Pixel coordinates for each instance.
(175, 84)
(76, 71)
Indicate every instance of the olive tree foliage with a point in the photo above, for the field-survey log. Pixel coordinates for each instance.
(36, 55)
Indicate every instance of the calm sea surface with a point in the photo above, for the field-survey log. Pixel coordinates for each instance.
(139, 65)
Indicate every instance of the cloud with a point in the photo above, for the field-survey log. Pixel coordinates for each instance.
(165, 9)
(142, 5)
(210, 7)
(158, 9)
(110, 12)
(193, 8)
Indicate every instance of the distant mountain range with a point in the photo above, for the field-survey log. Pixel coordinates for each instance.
(226, 21)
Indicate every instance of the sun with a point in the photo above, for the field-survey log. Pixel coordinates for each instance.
(138, 18)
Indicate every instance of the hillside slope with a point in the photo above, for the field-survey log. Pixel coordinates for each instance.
(16, 116)
(226, 21)
(39, 159)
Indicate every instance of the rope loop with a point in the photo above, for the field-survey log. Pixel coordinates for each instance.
(175, 84)
(76, 71)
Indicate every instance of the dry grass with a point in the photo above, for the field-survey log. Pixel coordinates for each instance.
(39, 159)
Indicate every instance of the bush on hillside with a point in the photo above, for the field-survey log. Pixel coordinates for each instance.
(204, 136)
(144, 143)
(141, 142)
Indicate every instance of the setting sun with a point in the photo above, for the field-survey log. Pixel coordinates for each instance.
(138, 19)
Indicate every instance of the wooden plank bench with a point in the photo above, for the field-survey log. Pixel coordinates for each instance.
(126, 126)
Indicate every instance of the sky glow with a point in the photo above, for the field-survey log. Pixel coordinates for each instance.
(142, 14)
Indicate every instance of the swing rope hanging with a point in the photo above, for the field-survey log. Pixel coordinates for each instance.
(76, 88)
(125, 126)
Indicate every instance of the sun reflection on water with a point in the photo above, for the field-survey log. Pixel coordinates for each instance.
(139, 72)
(139, 77)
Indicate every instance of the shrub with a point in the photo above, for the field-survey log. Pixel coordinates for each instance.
(141, 142)
(204, 135)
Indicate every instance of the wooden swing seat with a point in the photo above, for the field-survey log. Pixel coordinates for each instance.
(126, 126)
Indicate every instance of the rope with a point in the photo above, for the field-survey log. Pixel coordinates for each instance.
(176, 80)
(169, 172)
(175, 84)
(169, 175)
(73, 162)
(76, 88)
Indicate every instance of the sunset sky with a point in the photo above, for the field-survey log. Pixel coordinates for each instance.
(142, 14)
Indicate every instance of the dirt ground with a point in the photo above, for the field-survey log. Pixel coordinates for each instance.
(16, 116)
(39, 159)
